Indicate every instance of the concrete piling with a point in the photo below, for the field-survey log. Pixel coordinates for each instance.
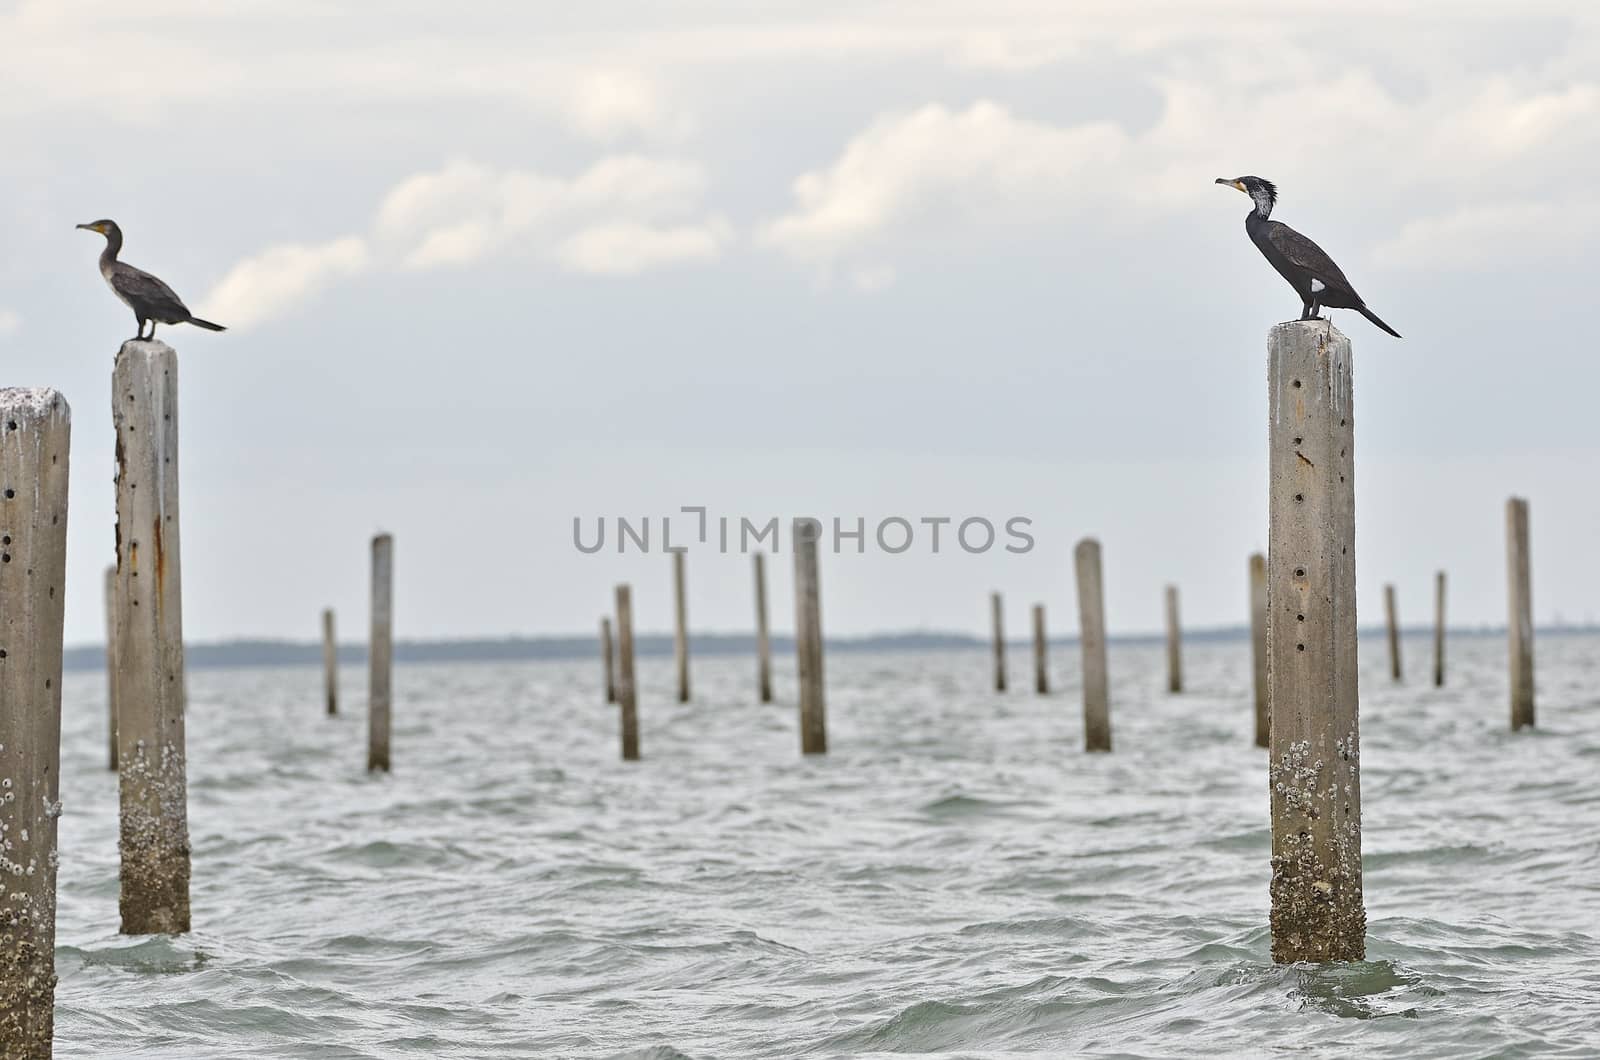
(680, 627)
(35, 439)
(151, 744)
(608, 660)
(111, 666)
(1174, 643)
(627, 690)
(380, 661)
(808, 638)
(763, 635)
(998, 622)
(1438, 630)
(330, 662)
(1041, 649)
(1519, 623)
(1391, 617)
(1314, 779)
(1258, 644)
(1092, 637)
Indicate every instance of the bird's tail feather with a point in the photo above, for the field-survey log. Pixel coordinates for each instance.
(197, 322)
(1370, 315)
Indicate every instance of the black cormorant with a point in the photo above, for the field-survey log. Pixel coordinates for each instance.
(1309, 270)
(148, 297)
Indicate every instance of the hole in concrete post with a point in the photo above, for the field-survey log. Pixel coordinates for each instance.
(1299, 647)
(1299, 572)
(10, 493)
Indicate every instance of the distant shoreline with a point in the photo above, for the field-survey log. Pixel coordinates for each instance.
(250, 653)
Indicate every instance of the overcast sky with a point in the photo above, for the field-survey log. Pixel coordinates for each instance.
(489, 267)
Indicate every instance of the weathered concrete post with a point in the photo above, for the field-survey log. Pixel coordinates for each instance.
(111, 664)
(1041, 650)
(1438, 630)
(808, 637)
(1392, 619)
(763, 635)
(1174, 643)
(627, 690)
(330, 662)
(35, 437)
(1314, 775)
(1258, 644)
(1092, 636)
(380, 650)
(680, 630)
(997, 619)
(149, 623)
(1519, 625)
(608, 659)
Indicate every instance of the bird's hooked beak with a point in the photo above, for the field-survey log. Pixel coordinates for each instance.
(95, 227)
(1233, 184)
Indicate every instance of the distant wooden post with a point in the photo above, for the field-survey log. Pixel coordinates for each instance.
(680, 636)
(1174, 643)
(1438, 630)
(330, 662)
(808, 638)
(1519, 625)
(608, 660)
(150, 680)
(35, 436)
(627, 690)
(111, 664)
(1041, 648)
(763, 636)
(1092, 636)
(997, 617)
(380, 650)
(1258, 644)
(1314, 776)
(1392, 618)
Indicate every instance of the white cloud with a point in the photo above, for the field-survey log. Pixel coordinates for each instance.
(979, 162)
(628, 247)
(624, 214)
(280, 277)
(10, 322)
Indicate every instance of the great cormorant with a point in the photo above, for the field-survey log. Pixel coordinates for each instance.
(1309, 270)
(149, 298)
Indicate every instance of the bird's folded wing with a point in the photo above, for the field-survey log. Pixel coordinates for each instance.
(1306, 254)
(138, 284)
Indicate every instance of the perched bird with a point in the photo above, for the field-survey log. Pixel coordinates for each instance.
(1309, 270)
(148, 297)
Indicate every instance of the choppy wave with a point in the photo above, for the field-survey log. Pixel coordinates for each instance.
(956, 879)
